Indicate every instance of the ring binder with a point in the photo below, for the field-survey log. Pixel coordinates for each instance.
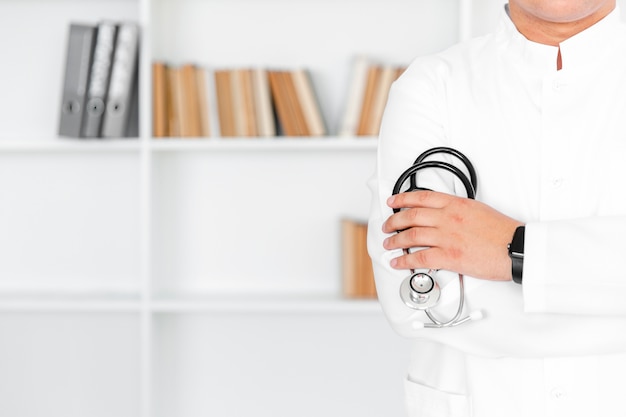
(80, 48)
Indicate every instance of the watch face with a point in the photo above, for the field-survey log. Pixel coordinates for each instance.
(516, 247)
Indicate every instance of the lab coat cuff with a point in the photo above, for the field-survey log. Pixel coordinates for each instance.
(535, 265)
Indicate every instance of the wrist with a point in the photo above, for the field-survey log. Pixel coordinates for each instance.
(516, 253)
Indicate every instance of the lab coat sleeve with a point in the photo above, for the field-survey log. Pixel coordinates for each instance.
(576, 266)
(572, 267)
(411, 124)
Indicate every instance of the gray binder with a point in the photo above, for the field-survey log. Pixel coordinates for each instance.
(99, 79)
(123, 82)
(77, 69)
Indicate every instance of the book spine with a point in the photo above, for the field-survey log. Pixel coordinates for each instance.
(356, 93)
(357, 269)
(99, 79)
(309, 103)
(248, 110)
(211, 94)
(160, 125)
(288, 109)
(203, 102)
(369, 96)
(173, 101)
(190, 111)
(284, 114)
(237, 102)
(301, 128)
(123, 82)
(387, 76)
(80, 46)
(263, 103)
(223, 92)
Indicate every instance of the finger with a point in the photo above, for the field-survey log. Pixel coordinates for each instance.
(412, 217)
(413, 238)
(421, 198)
(428, 258)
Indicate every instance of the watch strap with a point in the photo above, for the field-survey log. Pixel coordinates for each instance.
(516, 252)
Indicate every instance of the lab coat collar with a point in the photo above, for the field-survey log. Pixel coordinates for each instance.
(587, 47)
(578, 51)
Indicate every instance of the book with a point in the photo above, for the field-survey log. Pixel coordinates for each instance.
(173, 101)
(189, 106)
(297, 107)
(285, 115)
(369, 96)
(242, 102)
(386, 77)
(248, 106)
(356, 92)
(294, 102)
(308, 102)
(80, 47)
(160, 100)
(211, 96)
(122, 95)
(266, 125)
(203, 92)
(357, 271)
(99, 79)
(224, 95)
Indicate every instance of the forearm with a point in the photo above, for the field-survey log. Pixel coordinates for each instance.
(575, 266)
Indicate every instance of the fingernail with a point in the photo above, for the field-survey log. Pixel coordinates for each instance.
(394, 262)
(390, 200)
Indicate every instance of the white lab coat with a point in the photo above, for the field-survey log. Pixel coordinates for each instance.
(550, 150)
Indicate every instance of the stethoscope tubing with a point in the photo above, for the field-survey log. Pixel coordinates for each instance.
(411, 172)
(451, 151)
(454, 321)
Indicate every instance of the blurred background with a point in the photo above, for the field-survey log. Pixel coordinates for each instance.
(161, 271)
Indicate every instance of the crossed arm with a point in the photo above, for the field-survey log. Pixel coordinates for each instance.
(458, 234)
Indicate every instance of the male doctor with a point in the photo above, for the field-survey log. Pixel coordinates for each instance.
(539, 107)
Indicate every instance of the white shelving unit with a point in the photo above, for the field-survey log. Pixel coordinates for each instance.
(201, 277)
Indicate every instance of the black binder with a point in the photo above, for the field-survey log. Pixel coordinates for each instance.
(122, 98)
(99, 79)
(80, 47)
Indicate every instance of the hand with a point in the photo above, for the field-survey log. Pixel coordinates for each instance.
(459, 234)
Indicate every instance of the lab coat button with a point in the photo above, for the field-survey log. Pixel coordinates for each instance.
(558, 394)
(557, 182)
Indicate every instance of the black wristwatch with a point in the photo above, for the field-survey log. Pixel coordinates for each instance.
(516, 252)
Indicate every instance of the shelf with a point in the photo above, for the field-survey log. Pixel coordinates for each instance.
(264, 304)
(281, 143)
(42, 302)
(129, 303)
(70, 145)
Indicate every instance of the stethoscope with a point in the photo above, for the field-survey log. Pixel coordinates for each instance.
(420, 290)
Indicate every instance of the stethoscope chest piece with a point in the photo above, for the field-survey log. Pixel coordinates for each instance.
(420, 291)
